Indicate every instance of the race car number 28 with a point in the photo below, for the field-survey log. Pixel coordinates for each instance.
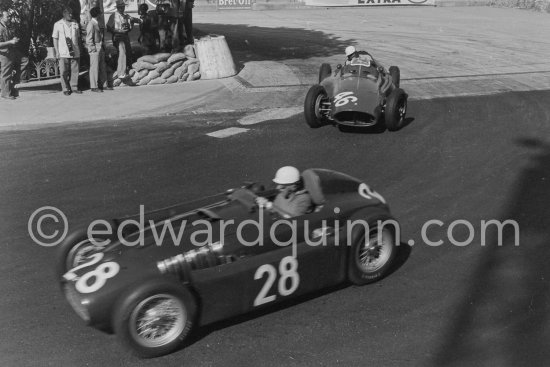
(342, 99)
(95, 279)
(288, 281)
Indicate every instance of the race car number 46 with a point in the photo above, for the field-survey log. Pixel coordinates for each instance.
(342, 99)
(288, 270)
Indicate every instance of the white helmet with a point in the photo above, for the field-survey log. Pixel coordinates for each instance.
(287, 175)
(350, 50)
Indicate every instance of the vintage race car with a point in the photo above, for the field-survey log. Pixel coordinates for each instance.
(359, 94)
(153, 289)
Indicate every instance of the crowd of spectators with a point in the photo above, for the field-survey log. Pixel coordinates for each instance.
(160, 29)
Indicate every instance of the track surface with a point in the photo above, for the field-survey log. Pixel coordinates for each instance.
(462, 158)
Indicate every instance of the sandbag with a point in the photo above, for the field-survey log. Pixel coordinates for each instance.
(180, 71)
(157, 81)
(153, 74)
(135, 78)
(167, 73)
(131, 73)
(141, 65)
(143, 73)
(172, 79)
(189, 51)
(162, 66)
(180, 56)
(177, 64)
(154, 59)
(193, 68)
(197, 75)
(144, 81)
(190, 61)
(183, 77)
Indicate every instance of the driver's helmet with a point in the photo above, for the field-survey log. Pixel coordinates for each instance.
(350, 50)
(287, 175)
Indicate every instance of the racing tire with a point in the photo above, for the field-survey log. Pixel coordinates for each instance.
(312, 104)
(155, 318)
(395, 75)
(77, 247)
(370, 258)
(324, 72)
(396, 110)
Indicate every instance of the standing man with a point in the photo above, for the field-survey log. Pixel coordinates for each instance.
(120, 24)
(10, 58)
(181, 17)
(66, 41)
(94, 42)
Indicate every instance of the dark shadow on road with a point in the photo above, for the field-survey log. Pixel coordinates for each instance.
(274, 44)
(503, 318)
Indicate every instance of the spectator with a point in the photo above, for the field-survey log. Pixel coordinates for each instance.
(10, 58)
(120, 24)
(180, 13)
(149, 29)
(66, 41)
(96, 50)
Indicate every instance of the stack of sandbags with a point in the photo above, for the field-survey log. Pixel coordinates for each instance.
(164, 68)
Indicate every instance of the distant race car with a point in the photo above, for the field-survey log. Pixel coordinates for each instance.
(153, 294)
(352, 97)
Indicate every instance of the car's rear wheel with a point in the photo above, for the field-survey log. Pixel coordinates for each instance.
(155, 318)
(313, 104)
(395, 75)
(372, 253)
(324, 72)
(396, 109)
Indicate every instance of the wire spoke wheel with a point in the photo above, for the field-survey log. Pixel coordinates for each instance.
(157, 320)
(375, 251)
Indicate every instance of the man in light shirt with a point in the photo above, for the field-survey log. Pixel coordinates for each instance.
(120, 24)
(66, 42)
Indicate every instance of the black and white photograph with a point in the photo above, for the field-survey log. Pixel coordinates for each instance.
(275, 183)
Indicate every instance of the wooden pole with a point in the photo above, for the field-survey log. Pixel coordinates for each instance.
(214, 57)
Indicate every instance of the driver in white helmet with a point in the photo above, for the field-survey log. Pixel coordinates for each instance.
(292, 200)
(352, 54)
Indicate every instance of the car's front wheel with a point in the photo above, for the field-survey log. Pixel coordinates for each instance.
(155, 318)
(372, 252)
(396, 110)
(315, 98)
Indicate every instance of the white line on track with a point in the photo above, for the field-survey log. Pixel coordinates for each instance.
(224, 133)
(271, 114)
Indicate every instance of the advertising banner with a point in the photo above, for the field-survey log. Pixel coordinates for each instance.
(328, 3)
(234, 4)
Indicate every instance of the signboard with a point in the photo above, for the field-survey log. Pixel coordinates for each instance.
(327, 3)
(234, 4)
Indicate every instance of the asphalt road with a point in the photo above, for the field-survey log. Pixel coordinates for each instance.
(468, 159)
